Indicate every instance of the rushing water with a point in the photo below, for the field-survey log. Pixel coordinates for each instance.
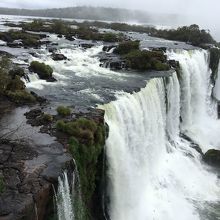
(64, 199)
(154, 173)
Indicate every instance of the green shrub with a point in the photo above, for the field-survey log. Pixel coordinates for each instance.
(85, 145)
(60, 125)
(126, 47)
(63, 111)
(159, 66)
(47, 117)
(44, 71)
(20, 96)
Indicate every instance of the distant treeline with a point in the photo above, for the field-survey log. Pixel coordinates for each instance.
(92, 13)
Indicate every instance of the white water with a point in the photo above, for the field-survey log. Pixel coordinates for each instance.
(198, 111)
(154, 174)
(64, 199)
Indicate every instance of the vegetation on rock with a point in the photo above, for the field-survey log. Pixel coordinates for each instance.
(63, 111)
(191, 34)
(47, 118)
(141, 59)
(27, 39)
(44, 71)
(11, 85)
(126, 47)
(87, 139)
(61, 27)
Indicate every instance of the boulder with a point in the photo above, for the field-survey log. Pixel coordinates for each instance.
(212, 157)
(58, 57)
(175, 64)
(86, 46)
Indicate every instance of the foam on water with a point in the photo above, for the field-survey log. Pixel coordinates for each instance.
(154, 173)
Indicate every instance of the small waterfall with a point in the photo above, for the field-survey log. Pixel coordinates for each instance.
(154, 173)
(64, 199)
(68, 198)
(33, 77)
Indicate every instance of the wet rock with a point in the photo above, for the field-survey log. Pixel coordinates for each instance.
(212, 157)
(39, 99)
(163, 49)
(86, 46)
(70, 37)
(29, 173)
(52, 49)
(33, 113)
(15, 44)
(58, 57)
(59, 35)
(192, 143)
(108, 48)
(175, 64)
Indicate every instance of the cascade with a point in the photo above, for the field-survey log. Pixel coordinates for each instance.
(154, 173)
(64, 199)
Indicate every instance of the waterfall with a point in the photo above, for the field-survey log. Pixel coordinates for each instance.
(198, 111)
(64, 199)
(68, 198)
(154, 173)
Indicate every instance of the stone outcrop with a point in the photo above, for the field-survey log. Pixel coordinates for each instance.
(58, 57)
(212, 157)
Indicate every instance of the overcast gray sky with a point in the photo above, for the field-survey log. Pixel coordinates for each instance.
(203, 12)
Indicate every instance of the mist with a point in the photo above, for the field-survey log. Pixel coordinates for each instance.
(204, 13)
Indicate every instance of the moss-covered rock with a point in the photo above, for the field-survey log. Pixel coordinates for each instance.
(44, 71)
(212, 157)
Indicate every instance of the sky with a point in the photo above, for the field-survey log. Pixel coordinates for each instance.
(203, 12)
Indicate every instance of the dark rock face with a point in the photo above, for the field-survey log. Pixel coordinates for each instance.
(212, 157)
(214, 63)
(58, 57)
(86, 46)
(173, 63)
(28, 175)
